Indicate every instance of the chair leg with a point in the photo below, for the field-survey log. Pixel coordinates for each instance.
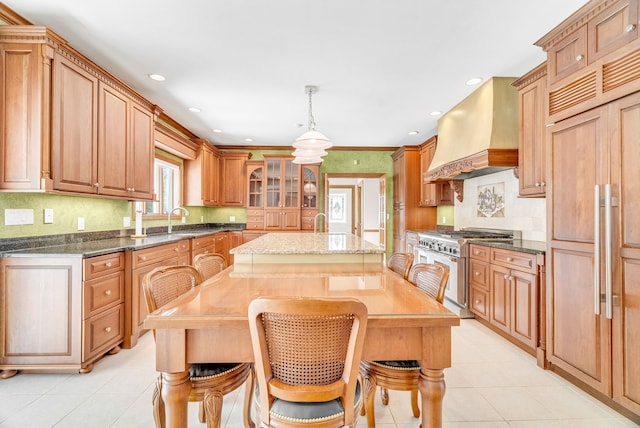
(414, 403)
(248, 399)
(158, 404)
(384, 396)
(201, 415)
(213, 407)
(370, 411)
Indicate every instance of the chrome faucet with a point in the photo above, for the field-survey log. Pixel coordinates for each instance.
(185, 212)
(315, 222)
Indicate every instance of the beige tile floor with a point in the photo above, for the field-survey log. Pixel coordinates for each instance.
(491, 384)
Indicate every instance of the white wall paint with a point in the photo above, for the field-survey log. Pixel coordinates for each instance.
(525, 214)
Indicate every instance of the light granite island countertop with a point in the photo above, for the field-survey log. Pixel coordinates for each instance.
(308, 247)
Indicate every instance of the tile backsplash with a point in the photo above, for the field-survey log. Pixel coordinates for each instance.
(525, 214)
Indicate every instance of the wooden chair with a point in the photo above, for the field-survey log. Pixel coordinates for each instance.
(401, 263)
(209, 264)
(307, 353)
(404, 375)
(209, 381)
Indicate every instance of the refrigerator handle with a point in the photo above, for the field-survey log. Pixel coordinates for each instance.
(607, 251)
(596, 249)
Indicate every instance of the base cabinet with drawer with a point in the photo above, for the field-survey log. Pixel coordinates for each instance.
(139, 263)
(505, 290)
(60, 313)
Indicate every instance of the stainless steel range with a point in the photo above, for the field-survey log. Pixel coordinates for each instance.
(452, 250)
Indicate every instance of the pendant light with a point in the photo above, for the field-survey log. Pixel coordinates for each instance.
(310, 146)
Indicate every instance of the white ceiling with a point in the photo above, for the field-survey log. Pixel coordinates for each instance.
(381, 65)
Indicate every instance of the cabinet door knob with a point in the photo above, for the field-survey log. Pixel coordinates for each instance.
(506, 276)
(143, 258)
(108, 292)
(96, 185)
(107, 329)
(537, 184)
(543, 184)
(108, 264)
(509, 259)
(176, 249)
(579, 58)
(629, 28)
(477, 302)
(477, 273)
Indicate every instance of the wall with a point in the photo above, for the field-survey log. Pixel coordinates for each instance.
(102, 214)
(525, 214)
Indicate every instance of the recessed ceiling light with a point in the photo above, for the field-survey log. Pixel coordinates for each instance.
(194, 109)
(217, 131)
(414, 132)
(436, 113)
(158, 77)
(473, 81)
(248, 140)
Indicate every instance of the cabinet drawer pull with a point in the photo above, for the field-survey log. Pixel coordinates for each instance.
(477, 273)
(108, 292)
(629, 28)
(143, 258)
(478, 301)
(506, 276)
(107, 329)
(579, 58)
(509, 259)
(108, 264)
(176, 249)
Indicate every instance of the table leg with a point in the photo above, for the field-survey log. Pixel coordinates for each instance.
(432, 388)
(175, 394)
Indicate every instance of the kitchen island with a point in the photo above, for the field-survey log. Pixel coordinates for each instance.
(302, 248)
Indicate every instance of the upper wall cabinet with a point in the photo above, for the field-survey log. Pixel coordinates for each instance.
(69, 126)
(232, 178)
(532, 90)
(593, 57)
(201, 176)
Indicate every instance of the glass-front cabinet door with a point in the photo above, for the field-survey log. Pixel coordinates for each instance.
(310, 186)
(282, 193)
(255, 180)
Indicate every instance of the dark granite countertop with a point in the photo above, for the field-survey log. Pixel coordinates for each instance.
(112, 245)
(522, 245)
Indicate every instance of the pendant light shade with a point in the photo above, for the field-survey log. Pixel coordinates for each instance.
(310, 146)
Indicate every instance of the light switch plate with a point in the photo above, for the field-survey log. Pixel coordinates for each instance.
(126, 221)
(48, 215)
(80, 223)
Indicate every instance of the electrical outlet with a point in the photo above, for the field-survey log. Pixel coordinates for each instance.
(184, 219)
(232, 218)
(201, 219)
(48, 215)
(444, 219)
(126, 221)
(80, 223)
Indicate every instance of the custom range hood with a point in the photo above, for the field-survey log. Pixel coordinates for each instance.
(479, 135)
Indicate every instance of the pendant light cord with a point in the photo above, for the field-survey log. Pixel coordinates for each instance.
(312, 122)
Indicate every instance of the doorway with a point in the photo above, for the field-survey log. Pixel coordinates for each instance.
(356, 203)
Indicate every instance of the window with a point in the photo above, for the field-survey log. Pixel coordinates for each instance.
(167, 186)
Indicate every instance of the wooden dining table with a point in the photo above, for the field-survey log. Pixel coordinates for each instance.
(209, 324)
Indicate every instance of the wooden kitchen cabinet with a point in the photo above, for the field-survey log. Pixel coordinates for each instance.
(138, 264)
(407, 213)
(235, 239)
(67, 121)
(255, 195)
(232, 178)
(532, 92)
(411, 244)
(76, 304)
(125, 146)
(103, 316)
(428, 190)
(282, 194)
(504, 293)
(202, 176)
(74, 127)
(309, 207)
(605, 354)
(591, 57)
(432, 194)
